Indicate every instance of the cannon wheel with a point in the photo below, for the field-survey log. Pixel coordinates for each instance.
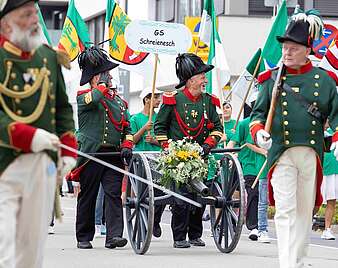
(227, 217)
(140, 205)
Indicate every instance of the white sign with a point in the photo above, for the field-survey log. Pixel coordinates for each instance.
(158, 37)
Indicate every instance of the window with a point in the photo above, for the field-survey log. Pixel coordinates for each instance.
(96, 28)
(165, 10)
(257, 7)
(327, 8)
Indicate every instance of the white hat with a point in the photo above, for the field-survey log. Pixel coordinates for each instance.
(148, 90)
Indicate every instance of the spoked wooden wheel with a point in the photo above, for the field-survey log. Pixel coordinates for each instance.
(227, 215)
(140, 205)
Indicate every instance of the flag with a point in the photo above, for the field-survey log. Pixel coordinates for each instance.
(220, 75)
(330, 60)
(46, 36)
(270, 56)
(272, 51)
(75, 35)
(242, 83)
(117, 21)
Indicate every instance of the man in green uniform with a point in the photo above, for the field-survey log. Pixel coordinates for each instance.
(103, 127)
(35, 117)
(189, 113)
(307, 98)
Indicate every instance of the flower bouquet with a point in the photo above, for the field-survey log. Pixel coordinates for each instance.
(182, 164)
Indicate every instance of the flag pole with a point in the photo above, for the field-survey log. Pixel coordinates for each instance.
(248, 90)
(259, 174)
(153, 88)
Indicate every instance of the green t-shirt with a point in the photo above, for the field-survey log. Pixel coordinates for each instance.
(228, 126)
(330, 165)
(246, 156)
(137, 121)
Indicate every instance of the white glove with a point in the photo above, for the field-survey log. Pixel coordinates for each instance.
(44, 140)
(263, 139)
(334, 146)
(68, 163)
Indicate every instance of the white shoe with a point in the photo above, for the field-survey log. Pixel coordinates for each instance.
(327, 235)
(97, 231)
(51, 230)
(263, 237)
(253, 235)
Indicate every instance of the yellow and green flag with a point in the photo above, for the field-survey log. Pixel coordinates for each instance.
(117, 21)
(75, 35)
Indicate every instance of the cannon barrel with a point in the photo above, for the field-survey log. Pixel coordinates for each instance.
(199, 187)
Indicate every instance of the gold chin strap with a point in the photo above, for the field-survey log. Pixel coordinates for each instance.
(43, 79)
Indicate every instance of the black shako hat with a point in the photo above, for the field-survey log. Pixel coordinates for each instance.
(188, 65)
(303, 28)
(93, 61)
(7, 6)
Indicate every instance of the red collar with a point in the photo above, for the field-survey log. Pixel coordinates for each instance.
(302, 70)
(11, 48)
(187, 93)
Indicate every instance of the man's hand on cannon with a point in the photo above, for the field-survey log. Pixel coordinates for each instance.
(263, 139)
(206, 150)
(126, 155)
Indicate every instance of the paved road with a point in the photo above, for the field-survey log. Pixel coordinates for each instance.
(61, 251)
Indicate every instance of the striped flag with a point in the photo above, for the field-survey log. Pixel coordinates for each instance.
(42, 23)
(75, 36)
(220, 75)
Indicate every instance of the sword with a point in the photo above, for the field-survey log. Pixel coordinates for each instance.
(165, 190)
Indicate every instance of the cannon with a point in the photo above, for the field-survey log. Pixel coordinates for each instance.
(225, 195)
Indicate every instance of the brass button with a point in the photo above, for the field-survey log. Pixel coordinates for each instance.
(17, 100)
(48, 72)
(313, 122)
(13, 75)
(53, 110)
(285, 103)
(317, 76)
(186, 112)
(316, 85)
(52, 97)
(106, 128)
(53, 121)
(105, 134)
(286, 133)
(188, 131)
(45, 60)
(315, 103)
(188, 125)
(313, 132)
(51, 84)
(19, 112)
(286, 123)
(316, 93)
(16, 87)
(104, 142)
(312, 142)
(107, 122)
(106, 110)
(287, 142)
(284, 78)
(284, 93)
(285, 112)
(187, 118)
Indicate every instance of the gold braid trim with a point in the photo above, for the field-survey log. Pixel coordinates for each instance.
(216, 133)
(30, 89)
(38, 110)
(9, 68)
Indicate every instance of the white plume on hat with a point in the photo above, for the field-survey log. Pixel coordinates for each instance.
(3, 4)
(148, 90)
(313, 18)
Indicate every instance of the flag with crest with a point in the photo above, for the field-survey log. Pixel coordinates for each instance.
(75, 35)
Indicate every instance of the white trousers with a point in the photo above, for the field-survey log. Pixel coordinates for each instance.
(27, 191)
(294, 187)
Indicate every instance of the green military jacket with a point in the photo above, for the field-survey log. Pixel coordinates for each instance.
(292, 124)
(103, 121)
(181, 115)
(32, 92)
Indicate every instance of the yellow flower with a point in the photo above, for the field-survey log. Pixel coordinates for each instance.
(183, 155)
